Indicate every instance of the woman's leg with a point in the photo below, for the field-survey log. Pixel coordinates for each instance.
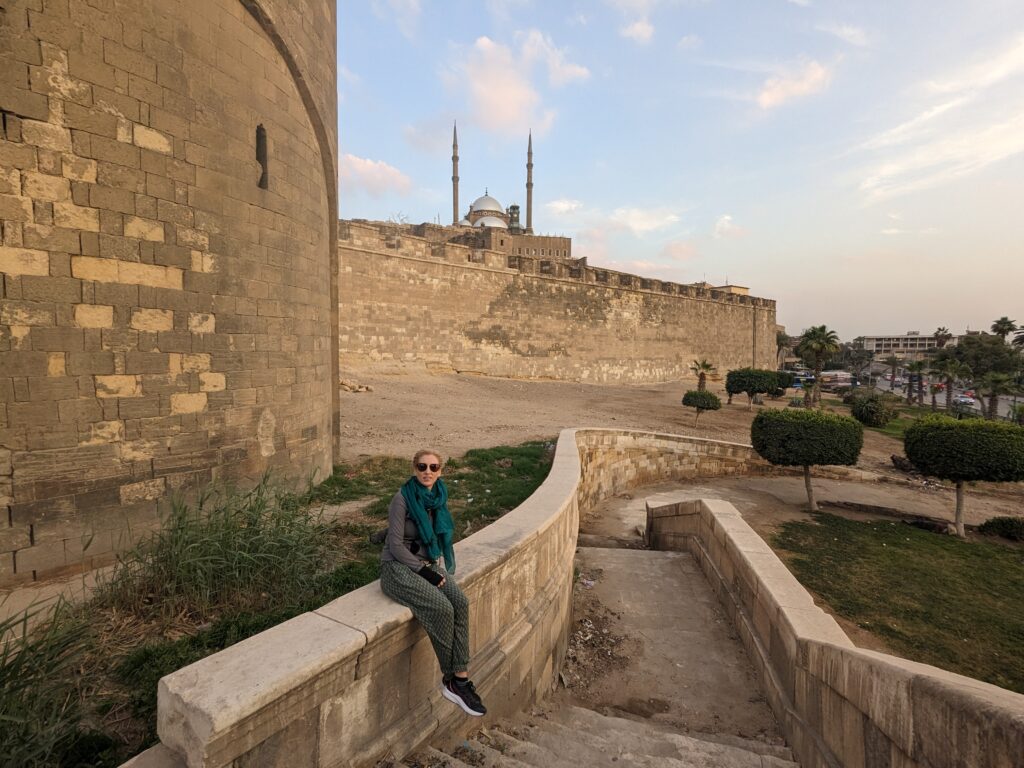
(459, 661)
(431, 607)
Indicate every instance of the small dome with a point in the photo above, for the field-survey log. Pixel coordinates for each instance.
(491, 221)
(486, 203)
(465, 223)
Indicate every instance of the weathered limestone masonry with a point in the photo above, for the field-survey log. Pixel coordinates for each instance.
(838, 705)
(166, 319)
(356, 679)
(410, 302)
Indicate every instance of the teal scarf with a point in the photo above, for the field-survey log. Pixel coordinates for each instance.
(438, 535)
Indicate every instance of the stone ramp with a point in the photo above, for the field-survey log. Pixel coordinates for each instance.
(573, 736)
(686, 696)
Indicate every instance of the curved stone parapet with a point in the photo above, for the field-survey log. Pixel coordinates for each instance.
(357, 679)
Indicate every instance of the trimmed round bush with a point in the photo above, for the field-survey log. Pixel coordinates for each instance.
(872, 411)
(702, 401)
(751, 381)
(965, 450)
(804, 438)
(784, 379)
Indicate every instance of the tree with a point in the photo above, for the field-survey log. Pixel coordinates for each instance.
(942, 336)
(933, 390)
(1003, 327)
(702, 368)
(992, 385)
(816, 347)
(965, 451)
(751, 381)
(702, 401)
(985, 353)
(950, 370)
(1018, 339)
(893, 362)
(802, 438)
(872, 410)
(918, 368)
(782, 342)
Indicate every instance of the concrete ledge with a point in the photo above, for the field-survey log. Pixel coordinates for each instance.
(839, 705)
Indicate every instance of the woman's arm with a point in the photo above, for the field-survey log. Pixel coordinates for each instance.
(396, 534)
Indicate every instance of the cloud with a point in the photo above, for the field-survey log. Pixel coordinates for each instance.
(432, 135)
(640, 221)
(811, 78)
(726, 227)
(405, 14)
(537, 46)
(689, 43)
(801, 3)
(374, 177)
(845, 32)
(502, 10)
(496, 81)
(965, 122)
(563, 206)
(640, 31)
(679, 250)
(348, 75)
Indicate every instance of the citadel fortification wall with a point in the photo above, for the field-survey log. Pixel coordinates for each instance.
(408, 303)
(166, 320)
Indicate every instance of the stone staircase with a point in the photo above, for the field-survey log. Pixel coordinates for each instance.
(574, 736)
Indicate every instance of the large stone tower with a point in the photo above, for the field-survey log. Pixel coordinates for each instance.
(168, 302)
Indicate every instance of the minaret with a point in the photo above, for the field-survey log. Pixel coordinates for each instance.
(455, 174)
(529, 185)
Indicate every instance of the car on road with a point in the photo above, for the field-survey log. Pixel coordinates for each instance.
(965, 400)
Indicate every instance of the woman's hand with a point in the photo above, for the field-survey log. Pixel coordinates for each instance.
(442, 582)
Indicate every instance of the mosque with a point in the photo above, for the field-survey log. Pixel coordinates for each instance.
(488, 225)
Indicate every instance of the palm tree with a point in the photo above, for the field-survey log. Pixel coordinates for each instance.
(702, 368)
(950, 369)
(816, 347)
(1003, 327)
(994, 385)
(942, 336)
(1018, 340)
(893, 362)
(918, 367)
(782, 342)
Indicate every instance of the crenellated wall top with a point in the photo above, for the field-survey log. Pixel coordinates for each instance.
(399, 240)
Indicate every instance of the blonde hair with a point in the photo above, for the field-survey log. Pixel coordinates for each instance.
(427, 452)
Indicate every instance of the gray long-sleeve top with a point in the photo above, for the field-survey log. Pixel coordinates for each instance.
(402, 535)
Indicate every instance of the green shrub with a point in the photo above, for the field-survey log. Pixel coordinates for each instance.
(966, 450)
(751, 381)
(1007, 527)
(701, 401)
(784, 379)
(806, 438)
(231, 548)
(872, 411)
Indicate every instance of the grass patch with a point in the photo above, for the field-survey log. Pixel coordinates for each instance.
(932, 598)
(79, 690)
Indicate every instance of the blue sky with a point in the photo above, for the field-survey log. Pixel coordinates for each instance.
(860, 162)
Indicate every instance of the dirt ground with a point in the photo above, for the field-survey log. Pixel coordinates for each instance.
(455, 413)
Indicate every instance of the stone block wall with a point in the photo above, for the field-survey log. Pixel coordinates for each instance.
(164, 321)
(410, 302)
(838, 705)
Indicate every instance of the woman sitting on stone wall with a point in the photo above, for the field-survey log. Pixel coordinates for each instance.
(420, 532)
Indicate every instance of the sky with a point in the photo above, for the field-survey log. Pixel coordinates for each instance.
(860, 162)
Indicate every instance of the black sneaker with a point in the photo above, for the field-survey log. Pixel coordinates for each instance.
(464, 694)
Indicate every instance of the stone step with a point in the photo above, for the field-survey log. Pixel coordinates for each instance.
(486, 756)
(428, 757)
(520, 750)
(669, 742)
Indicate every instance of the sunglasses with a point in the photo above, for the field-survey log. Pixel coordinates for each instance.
(421, 467)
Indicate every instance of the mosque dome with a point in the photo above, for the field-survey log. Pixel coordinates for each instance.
(465, 223)
(486, 203)
(491, 221)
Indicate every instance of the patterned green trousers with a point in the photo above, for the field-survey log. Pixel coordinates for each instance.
(443, 611)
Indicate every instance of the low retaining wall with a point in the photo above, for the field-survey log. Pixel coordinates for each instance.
(357, 679)
(838, 705)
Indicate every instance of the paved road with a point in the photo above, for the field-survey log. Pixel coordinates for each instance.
(1004, 402)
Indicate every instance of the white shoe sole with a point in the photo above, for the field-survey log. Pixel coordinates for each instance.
(454, 699)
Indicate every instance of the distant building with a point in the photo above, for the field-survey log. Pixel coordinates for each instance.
(910, 345)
